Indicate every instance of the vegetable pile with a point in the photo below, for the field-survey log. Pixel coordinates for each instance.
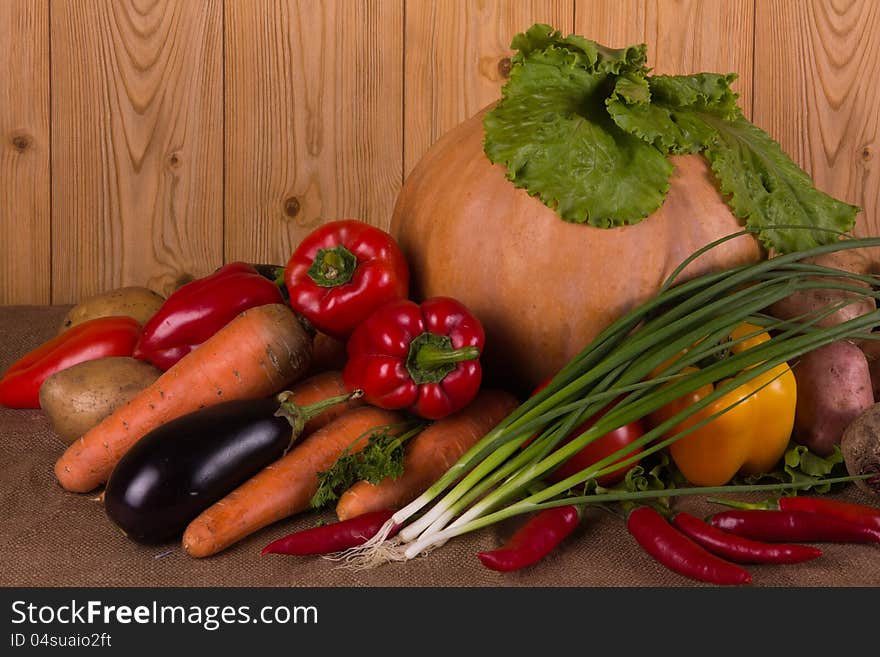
(261, 392)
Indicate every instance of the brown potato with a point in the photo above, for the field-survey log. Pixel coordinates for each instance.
(834, 387)
(861, 449)
(77, 398)
(139, 303)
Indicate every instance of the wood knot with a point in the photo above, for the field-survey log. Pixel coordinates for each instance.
(504, 67)
(867, 155)
(174, 160)
(21, 142)
(291, 207)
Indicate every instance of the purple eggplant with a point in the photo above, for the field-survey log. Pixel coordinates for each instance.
(181, 468)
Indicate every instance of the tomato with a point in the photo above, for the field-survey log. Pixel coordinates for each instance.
(598, 449)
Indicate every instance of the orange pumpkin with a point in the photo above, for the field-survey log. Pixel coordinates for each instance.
(544, 288)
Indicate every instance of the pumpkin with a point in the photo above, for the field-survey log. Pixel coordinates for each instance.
(542, 287)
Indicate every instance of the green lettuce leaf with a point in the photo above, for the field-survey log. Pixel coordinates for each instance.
(768, 190)
(553, 134)
(670, 112)
(800, 465)
(586, 129)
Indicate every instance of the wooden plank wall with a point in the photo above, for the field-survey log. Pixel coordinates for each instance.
(148, 142)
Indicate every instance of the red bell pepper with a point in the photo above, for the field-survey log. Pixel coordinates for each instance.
(343, 271)
(98, 338)
(199, 309)
(421, 358)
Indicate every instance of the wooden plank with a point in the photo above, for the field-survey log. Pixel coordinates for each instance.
(313, 119)
(137, 132)
(457, 58)
(683, 36)
(819, 95)
(25, 261)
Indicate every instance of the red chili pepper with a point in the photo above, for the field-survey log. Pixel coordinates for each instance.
(97, 338)
(335, 537)
(796, 526)
(678, 552)
(196, 311)
(534, 540)
(857, 513)
(343, 271)
(741, 549)
(422, 358)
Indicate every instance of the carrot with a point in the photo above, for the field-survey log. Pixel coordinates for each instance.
(319, 387)
(284, 488)
(257, 354)
(329, 353)
(429, 455)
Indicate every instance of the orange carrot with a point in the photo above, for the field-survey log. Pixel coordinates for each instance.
(257, 354)
(319, 387)
(284, 488)
(328, 353)
(429, 455)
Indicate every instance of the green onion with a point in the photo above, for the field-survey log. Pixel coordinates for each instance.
(499, 477)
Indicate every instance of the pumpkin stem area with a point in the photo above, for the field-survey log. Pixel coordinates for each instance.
(431, 357)
(333, 267)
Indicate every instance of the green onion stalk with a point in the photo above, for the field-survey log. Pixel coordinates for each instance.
(639, 359)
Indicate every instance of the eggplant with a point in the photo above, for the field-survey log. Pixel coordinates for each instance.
(181, 468)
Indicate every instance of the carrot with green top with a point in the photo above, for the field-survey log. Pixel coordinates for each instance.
(286, 487)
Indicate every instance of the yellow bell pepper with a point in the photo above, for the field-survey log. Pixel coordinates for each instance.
(749, 438)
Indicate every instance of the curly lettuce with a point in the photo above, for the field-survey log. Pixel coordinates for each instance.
(588, 130)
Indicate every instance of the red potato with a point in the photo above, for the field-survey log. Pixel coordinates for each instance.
(804, 301)
(834, 387)
(871, 349)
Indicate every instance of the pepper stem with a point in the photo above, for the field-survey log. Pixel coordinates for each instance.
(299, 415)
(431, 357)
(333, 267)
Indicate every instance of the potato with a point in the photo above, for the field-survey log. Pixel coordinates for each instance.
(77, 398)
(861, 448)
(871, 348)
(833, 388)
(805, 301)
(139, 303)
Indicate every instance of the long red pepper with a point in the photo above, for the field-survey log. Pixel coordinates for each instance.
(534, 540)
(796, 526)
(196, 311)
(678, 552)
(741, 549)
(97, 338)
(858, 513)
(334, 537)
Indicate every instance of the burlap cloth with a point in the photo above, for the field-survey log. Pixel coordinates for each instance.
(49, 537)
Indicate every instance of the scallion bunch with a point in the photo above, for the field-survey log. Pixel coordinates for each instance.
(682, 325)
